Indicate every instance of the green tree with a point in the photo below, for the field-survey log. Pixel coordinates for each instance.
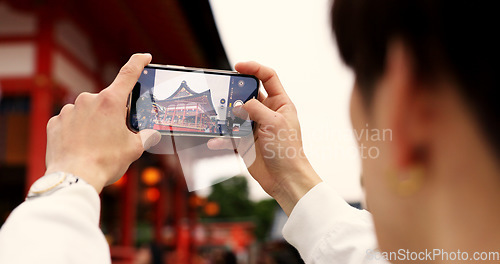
(232, 196)
(264, 211)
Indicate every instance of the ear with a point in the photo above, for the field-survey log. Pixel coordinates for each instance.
(410, 104)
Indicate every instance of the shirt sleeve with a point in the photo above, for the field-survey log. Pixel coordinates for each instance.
(62, 227)
(325, 229)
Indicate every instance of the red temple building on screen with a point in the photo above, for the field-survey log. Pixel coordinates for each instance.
(186, 110)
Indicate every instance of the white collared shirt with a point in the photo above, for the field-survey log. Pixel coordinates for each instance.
(63, 227)
(325, 229)
(59, 228)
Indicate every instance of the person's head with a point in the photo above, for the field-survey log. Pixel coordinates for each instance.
(425, 107)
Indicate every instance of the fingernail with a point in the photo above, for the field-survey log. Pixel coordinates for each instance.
(152, 140)
(240, 112)
(212, 142)
(237, 109)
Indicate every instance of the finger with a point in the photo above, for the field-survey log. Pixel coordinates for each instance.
(223, 143)
(66, 109)
(84, 97)
(267, 75)
(240, 112)
(129, 74)
(258, 112)
(51, 123)
(149, 138)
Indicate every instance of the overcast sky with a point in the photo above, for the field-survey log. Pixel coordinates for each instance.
(294, 38)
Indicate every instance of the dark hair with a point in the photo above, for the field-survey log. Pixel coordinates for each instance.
(454, 38)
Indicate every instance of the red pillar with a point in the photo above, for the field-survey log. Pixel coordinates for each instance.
(160, 212)
(129, 207)
(182, 236)
(173, 115)
(193, 219)
(196, 118)
(41, 99)
(184, 114)
(166, 112)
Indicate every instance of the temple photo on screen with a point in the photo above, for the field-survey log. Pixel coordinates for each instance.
(185, 110)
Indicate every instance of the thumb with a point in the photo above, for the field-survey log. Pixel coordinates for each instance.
(149, 138)
(240, 112)
(258, 112)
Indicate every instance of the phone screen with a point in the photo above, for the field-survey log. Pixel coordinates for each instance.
(191, 102)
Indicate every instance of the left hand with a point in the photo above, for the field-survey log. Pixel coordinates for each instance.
(278, 161)
(90, 139)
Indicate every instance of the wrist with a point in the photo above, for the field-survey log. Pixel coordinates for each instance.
(296, 184)
(90, 175)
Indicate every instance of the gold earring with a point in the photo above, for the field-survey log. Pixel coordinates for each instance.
(408, 186)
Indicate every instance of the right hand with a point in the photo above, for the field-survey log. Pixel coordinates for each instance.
(280, 165)
(90, 138)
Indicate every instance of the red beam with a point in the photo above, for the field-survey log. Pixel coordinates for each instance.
(14, 39)
(17, 86)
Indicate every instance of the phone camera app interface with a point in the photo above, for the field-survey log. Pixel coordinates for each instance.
(193, 102)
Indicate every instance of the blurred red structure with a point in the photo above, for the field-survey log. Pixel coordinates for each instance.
(52, 50)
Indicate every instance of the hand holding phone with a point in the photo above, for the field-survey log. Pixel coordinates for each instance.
(280, 165)
(98, 147)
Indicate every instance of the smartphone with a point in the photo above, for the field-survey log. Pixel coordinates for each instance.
(183, 101)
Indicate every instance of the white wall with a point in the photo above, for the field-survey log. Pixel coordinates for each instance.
(16, 60)
(68, 75)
